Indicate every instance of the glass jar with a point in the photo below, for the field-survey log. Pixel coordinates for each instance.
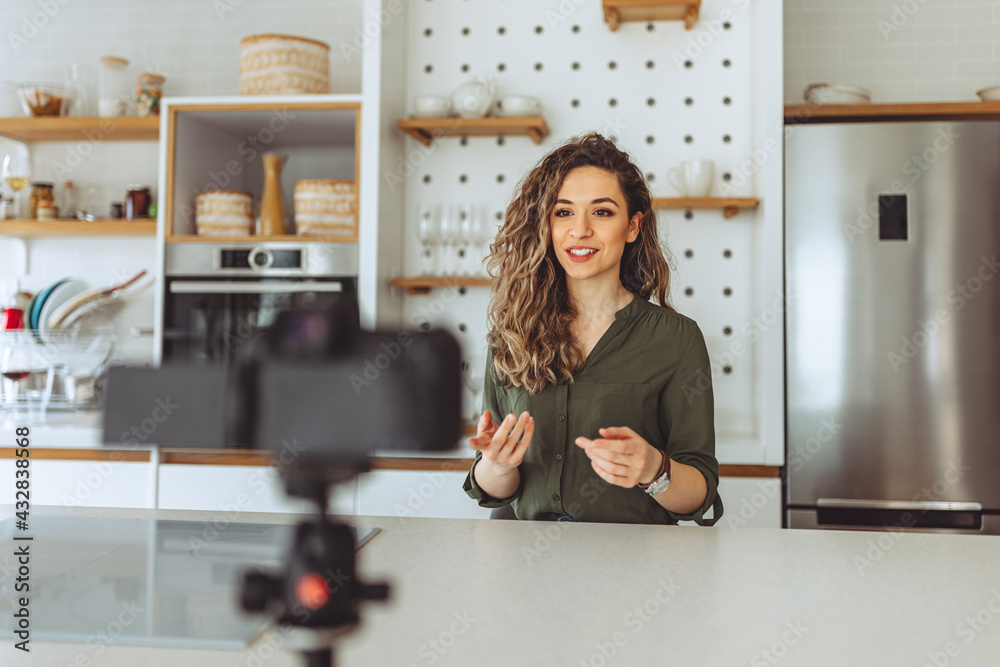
(148, 92)
(113, 87)
(39, 192)
(137, 202)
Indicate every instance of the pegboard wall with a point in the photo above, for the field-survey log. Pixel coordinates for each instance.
(664, 94)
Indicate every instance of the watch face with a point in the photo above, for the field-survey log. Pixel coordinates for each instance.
(659, 485)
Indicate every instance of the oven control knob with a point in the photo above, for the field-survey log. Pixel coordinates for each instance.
(261, 258)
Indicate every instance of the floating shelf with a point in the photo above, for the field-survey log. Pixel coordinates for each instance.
(54, 228)
(261, 239)
(426, 130)
(857, 113)
(74, 129)
(730, 206)
(617, 12)
(425, 285)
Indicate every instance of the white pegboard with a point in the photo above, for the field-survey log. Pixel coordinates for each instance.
(665, 94)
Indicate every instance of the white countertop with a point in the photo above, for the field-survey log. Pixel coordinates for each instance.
(479, 592)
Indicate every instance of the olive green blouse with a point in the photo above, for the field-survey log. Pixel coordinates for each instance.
(649, 371)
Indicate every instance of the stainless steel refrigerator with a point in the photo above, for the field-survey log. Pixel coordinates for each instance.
(892, 256)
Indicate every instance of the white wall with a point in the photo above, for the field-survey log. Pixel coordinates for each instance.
(901, 50)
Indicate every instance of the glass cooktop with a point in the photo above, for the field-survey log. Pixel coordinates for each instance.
(139, 581)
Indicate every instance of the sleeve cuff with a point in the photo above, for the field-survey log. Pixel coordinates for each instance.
(472, 489)
(712, 498)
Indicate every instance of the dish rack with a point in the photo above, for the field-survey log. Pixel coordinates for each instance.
(65, 369)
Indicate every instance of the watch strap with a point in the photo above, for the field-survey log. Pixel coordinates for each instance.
(664, 467)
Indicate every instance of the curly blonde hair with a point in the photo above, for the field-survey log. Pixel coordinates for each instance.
(530, 313)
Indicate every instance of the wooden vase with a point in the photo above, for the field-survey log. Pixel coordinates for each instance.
(272, 211)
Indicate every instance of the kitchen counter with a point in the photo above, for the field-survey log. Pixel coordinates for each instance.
(82, 430)
(505, 592)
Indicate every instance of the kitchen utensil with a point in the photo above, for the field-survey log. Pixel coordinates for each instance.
(836, 93)
(223, 213)
(431, 106)
(272, 210)
(36, 307)
(474, 99)
(46, 99)
(113, 87)
(284, 65)
(693, 178)
(990, 94)
(518, 105)
(326, 208)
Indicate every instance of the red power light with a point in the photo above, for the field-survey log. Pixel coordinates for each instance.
(312, 591)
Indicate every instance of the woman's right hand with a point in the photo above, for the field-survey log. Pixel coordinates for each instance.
(504, 444)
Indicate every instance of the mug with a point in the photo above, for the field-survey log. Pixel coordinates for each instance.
(693, 178)
(519, 105)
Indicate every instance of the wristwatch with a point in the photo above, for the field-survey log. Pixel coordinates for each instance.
(661, 481)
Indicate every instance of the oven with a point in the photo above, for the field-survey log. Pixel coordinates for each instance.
(219, 297)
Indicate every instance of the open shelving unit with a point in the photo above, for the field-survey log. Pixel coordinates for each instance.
(617, 12)
(128, 128)
(730, 206)
(26, 229)
(826, 113)
(426, 130)
(423, 285)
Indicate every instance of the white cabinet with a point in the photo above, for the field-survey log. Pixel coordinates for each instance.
(751, 502)
(423, 493)
(237, 489)
(83, 483)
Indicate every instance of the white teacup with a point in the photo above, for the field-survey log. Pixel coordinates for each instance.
(429, 106)
(519, 105)
(693, 178)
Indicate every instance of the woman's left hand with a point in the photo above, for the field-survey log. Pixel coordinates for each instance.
(621, 456)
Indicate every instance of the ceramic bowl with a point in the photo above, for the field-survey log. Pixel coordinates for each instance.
(836, 93)
(991, 94)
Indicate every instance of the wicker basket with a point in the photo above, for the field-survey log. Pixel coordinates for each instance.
(326, 208)
(223, 213)
(284, 65)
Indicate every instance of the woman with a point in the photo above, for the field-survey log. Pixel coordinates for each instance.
(607, 413)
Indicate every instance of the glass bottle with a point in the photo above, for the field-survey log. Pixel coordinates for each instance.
(40, 191)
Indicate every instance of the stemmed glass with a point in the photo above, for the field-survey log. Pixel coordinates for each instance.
(17, 173)
(449, 236)
(474, 376)
(466, 238)
(482, 234)
(427, 232)
(15, 362)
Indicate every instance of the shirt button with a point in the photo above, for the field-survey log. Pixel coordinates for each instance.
(562, 418)
(558, 457)
(555, 497)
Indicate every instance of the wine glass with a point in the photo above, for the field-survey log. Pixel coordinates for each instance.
(474, 376)
(15, 362)
(427, 232)
(449, 235)
(17, 173)
(466, 238)
(482, 234)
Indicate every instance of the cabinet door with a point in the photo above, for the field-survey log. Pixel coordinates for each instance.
(423, 493)
(83, 483)
(751, 502)
(238, 489)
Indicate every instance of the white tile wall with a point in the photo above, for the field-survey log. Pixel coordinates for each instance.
(195, 44)
(901, 50)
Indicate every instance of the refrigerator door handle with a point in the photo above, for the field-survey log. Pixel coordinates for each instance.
(899, 513)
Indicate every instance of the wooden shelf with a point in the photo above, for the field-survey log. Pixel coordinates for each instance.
(425, 285)
(260, 239)
(730, 205)
(74, 129)
(426, 130)
(859, 113)
(617, 12)
(64, 228)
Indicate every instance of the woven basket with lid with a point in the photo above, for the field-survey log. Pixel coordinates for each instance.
(284, 65)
